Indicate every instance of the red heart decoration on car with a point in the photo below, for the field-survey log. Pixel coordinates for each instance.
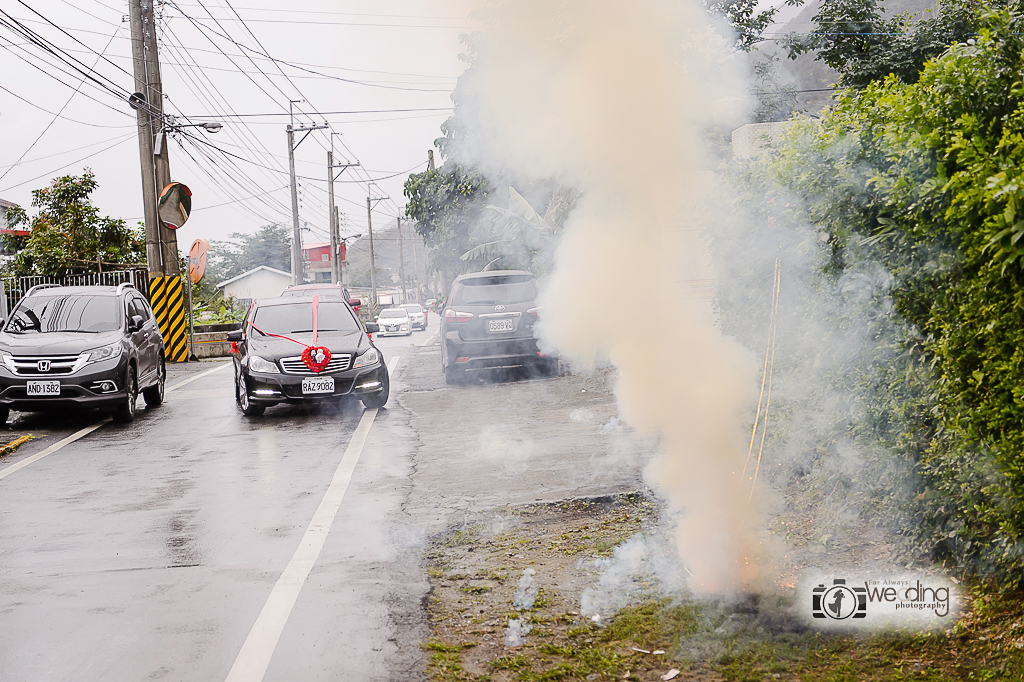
(316, 358)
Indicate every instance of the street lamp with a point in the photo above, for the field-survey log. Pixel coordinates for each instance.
(209, 126)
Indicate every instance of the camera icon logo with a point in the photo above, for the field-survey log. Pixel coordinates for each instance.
(839, 601)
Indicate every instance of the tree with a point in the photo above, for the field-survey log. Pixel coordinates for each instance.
(68, 234)
(854, 38)
(270, 246)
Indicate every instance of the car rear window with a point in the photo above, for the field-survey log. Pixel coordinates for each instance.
(295, 318)
(494, 290)
(70, 313)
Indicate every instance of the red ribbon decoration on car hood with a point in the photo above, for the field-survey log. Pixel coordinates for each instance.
(315, 357)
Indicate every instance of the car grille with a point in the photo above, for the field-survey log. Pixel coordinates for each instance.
(28, 365)
(295, 365)
(392, 327)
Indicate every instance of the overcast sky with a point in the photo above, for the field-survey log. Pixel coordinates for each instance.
(404, 55)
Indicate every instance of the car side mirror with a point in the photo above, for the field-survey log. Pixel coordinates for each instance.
(235, 335)
(372, 327)
(135, 323)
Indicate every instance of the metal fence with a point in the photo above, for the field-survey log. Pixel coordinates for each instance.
(13, 288)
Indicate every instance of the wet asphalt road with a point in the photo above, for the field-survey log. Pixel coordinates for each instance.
(164, 548)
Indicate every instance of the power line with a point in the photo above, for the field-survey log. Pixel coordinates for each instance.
(89, 156)
(57, 115)
(84, 123)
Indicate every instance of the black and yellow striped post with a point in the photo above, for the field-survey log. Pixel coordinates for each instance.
(168, 301)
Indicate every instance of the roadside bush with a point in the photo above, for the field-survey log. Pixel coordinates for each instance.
(927, 179)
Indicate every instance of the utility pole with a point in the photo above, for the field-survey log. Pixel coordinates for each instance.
(333, 210)
(416, 267)
(161, 243)
(298, 276)
(342, 278)
(370, 201)
(332, 216)
(401, 261)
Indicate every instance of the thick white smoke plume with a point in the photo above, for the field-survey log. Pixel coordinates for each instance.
(612, 98)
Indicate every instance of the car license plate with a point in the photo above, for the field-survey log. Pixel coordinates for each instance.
(44, 388)
(499, 325)
(314, 385)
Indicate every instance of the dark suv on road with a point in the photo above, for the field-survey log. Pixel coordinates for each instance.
(488, 324)
(270, 370)
(89, 347)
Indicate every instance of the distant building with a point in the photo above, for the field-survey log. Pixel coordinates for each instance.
(318, 261)
(4, 227)
(754, 138)
(261, 282)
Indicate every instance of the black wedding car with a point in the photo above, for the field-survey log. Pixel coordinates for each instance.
(270, 370)
(85, 347)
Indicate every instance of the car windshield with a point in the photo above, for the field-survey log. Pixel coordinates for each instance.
(414, 308)
(393, 313)
(82, 313)
(295, 318)
(494, 290)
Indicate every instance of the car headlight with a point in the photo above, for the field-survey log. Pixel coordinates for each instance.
(106, 352)
(370, 357)
(258, 364)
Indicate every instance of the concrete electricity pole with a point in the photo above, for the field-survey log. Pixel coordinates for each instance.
(161, 242)
(333, 211)
(298, 276)
(401, 261)
(370, 201)
(416, 267)
(332, 216)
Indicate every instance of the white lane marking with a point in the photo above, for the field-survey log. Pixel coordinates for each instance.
(431, 340)
(254, 657)
(199, 376)
(89, 429)
(53, 448)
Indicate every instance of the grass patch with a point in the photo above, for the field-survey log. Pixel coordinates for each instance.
(475, 589)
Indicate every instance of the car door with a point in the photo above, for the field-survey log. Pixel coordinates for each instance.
(146, 339)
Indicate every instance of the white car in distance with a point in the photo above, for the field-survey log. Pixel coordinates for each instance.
(416, 314)
(394, 322)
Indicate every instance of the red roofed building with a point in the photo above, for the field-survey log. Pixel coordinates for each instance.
(318, 261)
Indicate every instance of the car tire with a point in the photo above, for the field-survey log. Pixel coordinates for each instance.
(154, 395)
(380, 398)
(242, 399)
(5, 414)
(125, 412)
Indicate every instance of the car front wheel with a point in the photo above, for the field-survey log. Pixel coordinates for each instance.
(125, 412)
(380, 398)
(242, 398)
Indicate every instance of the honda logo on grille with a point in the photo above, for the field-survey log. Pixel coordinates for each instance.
(43, 365)
(499, 308)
